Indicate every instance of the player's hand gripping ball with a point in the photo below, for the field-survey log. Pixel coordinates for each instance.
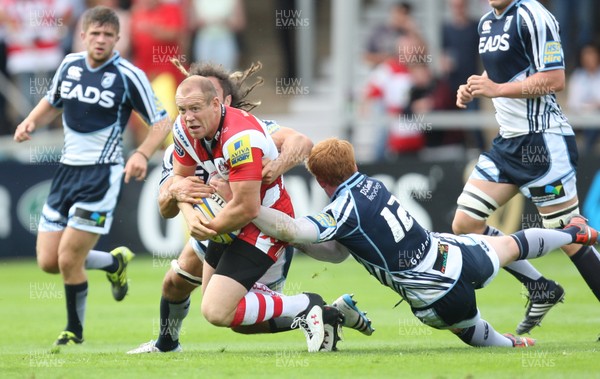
(210, 208)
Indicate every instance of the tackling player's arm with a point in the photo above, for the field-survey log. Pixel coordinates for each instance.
(328, 251)
(302, 233)
(42, 114)
(285, 228)
(293, 148)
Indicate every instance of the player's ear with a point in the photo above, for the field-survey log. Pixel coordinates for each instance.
(321, 182)
(227, 100)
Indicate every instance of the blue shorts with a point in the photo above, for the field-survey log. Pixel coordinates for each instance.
(458, 307)
(82, 197)
(542, 165)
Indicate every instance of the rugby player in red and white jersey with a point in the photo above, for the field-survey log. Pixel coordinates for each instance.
(231, 144)
(185, 274)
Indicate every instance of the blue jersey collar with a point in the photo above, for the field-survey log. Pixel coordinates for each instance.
(114, 57)
(350, 182)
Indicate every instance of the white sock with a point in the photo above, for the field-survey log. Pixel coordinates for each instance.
(536, 242)
(483, 334)
(97, 259)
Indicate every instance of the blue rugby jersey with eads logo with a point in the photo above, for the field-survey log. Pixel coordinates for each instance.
(368, 220)
(96, 105)
(521, 41)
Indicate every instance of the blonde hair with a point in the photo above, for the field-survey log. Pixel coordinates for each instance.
(232, 83)
(332, 161)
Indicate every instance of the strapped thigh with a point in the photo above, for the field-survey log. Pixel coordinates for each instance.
(192, 279)
(476, 203)
(560, 218)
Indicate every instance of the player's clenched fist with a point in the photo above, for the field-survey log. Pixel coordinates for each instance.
(463, 96)
(23, 130)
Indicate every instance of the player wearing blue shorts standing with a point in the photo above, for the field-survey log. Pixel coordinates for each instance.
(435, 273)
(185, 274)
(96, 91)
(535, 151)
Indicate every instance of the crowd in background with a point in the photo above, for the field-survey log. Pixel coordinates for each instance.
(402, 84)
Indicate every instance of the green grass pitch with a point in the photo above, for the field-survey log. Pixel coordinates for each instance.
(33, 313)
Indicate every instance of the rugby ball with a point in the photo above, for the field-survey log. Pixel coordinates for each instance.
(210, 208)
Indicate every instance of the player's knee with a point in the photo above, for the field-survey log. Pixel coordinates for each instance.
(463, 224)
(457, 225)
(216, 315)
(68, 264)
(48, 264)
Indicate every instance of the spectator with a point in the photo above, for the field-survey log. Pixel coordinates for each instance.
(388, 91)
(73, 26)
(34, 30)
(460, 58)
(217, 25)
(158, 31)
(427, 94)
(287, 39)
(584, 91)
(383, 40)
(5, 123)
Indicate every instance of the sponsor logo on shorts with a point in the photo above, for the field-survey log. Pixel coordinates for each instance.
(240, 151)
(85, 217)
(548, 192)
